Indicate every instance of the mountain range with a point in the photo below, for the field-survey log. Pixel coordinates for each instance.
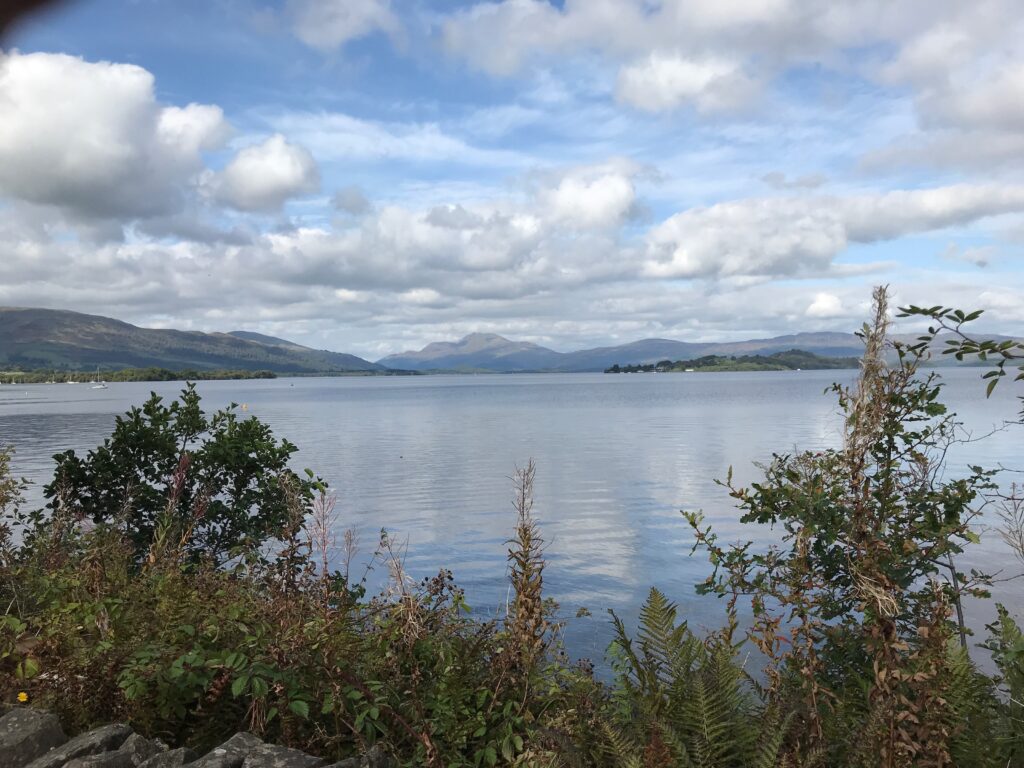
(57, 339)
(490, 352)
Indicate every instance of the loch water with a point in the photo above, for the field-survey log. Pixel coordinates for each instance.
(430, 459)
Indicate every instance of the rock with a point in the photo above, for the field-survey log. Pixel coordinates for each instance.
(26, 734)
(103, 739)
(375, 758)
(102, 760)
(139, 749)
(271, 756)
(172, 759)
(230, 754)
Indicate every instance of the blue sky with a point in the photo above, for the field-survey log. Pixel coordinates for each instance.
(369, 176)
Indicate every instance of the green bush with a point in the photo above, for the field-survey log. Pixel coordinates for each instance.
(170, 474)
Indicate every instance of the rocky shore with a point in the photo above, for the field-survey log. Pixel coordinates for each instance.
(33, 739)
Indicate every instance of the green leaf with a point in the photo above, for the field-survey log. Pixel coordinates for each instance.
(27, 669)
(240, 684)
(300, 708)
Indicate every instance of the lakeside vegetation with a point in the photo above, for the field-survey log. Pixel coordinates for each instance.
(126, 374)
(184, 579)
(790, 360)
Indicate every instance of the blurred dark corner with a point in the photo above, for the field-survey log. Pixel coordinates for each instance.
(13, 11)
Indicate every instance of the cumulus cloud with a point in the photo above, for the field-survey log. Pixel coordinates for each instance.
(773, 236)
(664, 81)
(263, 177)
(965, 70)
(330, 24)
(91, 138)
(825, 305)
(723, 39)
(791, 236)
(593, 197)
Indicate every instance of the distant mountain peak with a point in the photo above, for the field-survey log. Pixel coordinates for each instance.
(491, 352)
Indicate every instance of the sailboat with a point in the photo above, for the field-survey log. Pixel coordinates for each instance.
(98, 384)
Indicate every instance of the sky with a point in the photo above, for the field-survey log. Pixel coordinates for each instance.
(372, 175)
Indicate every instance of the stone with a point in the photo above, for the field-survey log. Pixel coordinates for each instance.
(103, 760)
(175, 758)
(139, 749)
(26, 734)
(271, 756)
(103, 739)
(230, 754)
(375, 758)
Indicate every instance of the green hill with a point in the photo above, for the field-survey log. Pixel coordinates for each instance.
(37, 339)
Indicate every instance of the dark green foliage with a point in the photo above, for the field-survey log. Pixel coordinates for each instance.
(791, 360)
(130, 374)
(171, 471)
(685, 698)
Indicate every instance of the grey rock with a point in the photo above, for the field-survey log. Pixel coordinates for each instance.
(271, 756)
(26, 734)
(230, 754)
(172, 759)
(139, 749)
(375, 758)
(103, 739)
(102, 760)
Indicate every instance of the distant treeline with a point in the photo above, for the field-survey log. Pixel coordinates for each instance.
(791, 360)
(127, 374)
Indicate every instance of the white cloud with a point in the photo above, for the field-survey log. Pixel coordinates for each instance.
(891, 214)
(993, 102)
(263, 177)
(965, 69)
(771, 236)
(792, 236)
(338, 136)
(825, 305)
(721, 39)
(601, 197)
(90, 137)
(194, 128)
(664, 81)
(329, 24)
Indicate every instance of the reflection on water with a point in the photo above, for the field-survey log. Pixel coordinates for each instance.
(430, 459)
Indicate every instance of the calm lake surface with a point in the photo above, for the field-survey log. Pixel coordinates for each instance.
(430, 457)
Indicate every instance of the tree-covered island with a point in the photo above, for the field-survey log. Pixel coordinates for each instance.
(790, 360)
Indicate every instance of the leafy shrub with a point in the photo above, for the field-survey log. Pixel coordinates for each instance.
(169, 472)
